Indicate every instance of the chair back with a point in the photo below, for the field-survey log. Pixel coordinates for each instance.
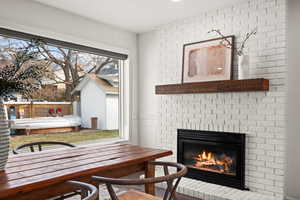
(37, 146)
(87, 191)
(168, 178)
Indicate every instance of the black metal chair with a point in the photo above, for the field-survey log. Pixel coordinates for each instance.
(39, 146)
(136, 195)
(87, 191)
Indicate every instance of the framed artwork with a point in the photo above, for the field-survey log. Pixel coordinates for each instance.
(209, 60)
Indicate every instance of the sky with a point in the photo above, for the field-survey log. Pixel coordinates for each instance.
(86, 60)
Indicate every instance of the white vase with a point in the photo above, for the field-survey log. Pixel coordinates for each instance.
(4, 137)
(243, 67)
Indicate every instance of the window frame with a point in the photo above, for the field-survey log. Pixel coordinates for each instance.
(124, 108)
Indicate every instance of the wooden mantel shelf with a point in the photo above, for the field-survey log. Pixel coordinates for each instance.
(245, 85)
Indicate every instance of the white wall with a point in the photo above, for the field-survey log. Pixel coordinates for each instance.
(148, 77)
(93, 104)
(35, 18)
(112, 112)
(261, 115)
(293, 104)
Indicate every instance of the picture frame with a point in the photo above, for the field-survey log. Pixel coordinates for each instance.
(209, 60)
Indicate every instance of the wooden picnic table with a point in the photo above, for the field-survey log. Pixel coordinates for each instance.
(38, 176)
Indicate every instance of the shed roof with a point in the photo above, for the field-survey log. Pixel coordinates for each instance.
(103, 84)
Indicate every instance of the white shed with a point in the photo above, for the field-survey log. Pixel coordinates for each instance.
(98, 98)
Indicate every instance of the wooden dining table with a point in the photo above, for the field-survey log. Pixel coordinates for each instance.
(41, 175)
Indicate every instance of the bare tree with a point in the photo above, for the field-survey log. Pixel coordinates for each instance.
(22, 74)
(74, 65)
(61, 66)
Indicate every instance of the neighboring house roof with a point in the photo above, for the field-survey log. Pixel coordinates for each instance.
(112, 79)
(103, 84)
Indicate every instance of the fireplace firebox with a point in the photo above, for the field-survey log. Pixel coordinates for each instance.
(215, 157)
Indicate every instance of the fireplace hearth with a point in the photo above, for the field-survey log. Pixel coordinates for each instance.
(215, 157)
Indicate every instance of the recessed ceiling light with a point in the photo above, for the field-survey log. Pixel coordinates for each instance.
(176, 0)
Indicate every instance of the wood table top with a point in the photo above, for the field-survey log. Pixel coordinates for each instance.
(26, 172)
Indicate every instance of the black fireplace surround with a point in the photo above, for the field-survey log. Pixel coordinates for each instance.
(214, 157)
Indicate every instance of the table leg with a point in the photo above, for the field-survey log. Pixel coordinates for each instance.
(150, 173)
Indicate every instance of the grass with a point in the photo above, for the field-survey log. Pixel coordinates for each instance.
(72, 137)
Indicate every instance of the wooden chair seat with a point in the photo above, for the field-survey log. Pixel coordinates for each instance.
(136, 195)
(170, 179)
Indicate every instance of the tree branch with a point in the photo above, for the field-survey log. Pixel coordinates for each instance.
(62, 52)
(107, 61)
(53, 58)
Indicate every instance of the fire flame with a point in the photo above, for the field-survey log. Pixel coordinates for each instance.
(207, 156)
(208, 161)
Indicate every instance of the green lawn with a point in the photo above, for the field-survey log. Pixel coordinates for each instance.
(72, 137)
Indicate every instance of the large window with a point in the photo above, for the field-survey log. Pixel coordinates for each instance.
(81, 96)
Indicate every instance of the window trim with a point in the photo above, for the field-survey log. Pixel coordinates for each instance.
(124, 116)
(59, 43)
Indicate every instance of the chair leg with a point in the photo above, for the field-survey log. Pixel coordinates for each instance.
(84, 193)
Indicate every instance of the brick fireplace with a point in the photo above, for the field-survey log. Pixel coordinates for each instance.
(259, 115)
(214, 157)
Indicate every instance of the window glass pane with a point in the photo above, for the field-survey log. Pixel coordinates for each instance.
(78, 101)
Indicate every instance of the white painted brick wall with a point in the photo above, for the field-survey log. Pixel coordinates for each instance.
(260, 115)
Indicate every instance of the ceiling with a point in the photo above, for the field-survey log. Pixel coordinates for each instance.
(137, 15)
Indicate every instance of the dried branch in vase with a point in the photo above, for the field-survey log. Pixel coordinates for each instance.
(225, 41)
(228, 44)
